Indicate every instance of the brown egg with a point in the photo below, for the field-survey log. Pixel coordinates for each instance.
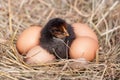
(83, 47)
(28, 39)
(83, 30)
(38, 55)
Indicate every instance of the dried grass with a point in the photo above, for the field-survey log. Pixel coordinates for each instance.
(103, 16)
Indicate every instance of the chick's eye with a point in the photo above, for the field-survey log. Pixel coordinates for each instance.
(58, 30)
(55, 30)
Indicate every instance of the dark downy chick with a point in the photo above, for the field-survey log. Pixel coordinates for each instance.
(56, 36)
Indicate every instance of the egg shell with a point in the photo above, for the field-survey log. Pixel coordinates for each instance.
(83, 30)
(28, 39)
(38, 55)
(83, 47)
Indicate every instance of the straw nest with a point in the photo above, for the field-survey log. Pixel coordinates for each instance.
(103, 16)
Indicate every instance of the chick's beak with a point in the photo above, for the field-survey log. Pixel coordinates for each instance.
(65, 32)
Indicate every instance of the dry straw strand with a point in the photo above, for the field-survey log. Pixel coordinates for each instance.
(10, 16)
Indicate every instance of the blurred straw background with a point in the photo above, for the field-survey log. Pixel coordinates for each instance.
(103, 16)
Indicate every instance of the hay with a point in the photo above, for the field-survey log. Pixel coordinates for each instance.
(103, 16)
